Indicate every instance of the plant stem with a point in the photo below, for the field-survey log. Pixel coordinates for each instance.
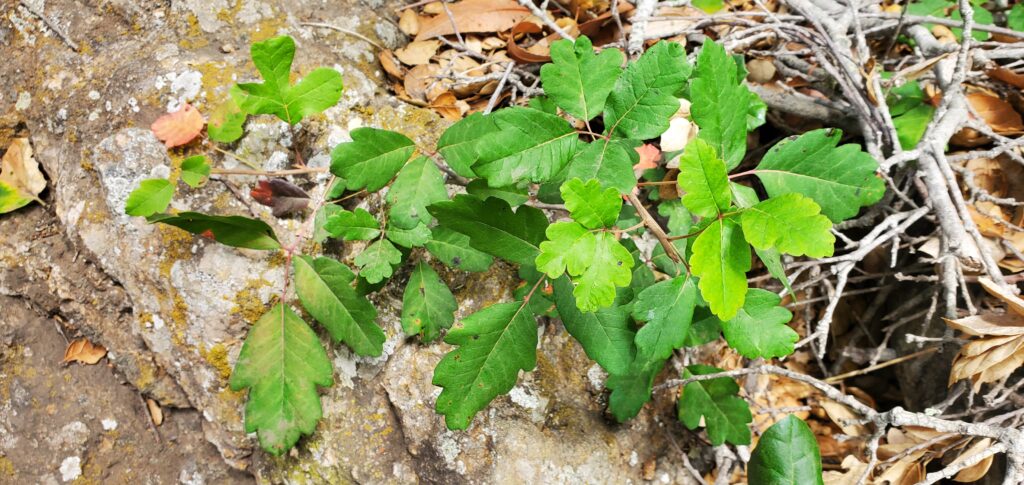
(656, 229)
(267, 173)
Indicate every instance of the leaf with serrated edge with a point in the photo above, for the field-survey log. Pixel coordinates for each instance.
(195, 170)
(790, 223)
(591, 205)
(493, 228)
(840, 179)
(325, 288)
(377, 261)
(492, 346)
(453, 249)
(570, 246)
(418, 185)
(645, 95)
(609, 161)
(632, 389)
(606, 335)
(786, 454)
(282, 363)
(667, 308)
(409, 238)
(371, 158)
(428, 306)
(359, 225)
(759, 328)
(720, 103)
(704, 179)
(609, 268)
(721, 259)
(319, 90)
(529, 145)
(716, 401)
(579, 81)
(458, 143)
(152, 196)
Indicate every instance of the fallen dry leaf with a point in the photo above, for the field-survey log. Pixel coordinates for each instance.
(448, 106)
(83, 351)
(974, 472)
(999, 114)
(422, 83)
(760, 70)
(418, 53)
(391, 65)
(280, 195)
(853, 467)
(1007, 76)
(409, 22)
(999, 348)
(475, 16)
(179, 127)
(155, 413)
(527, 55)
(19, 172)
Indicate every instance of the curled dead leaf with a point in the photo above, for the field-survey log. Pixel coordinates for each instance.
(978, 470)
(84, 352)
(391, 65)
(1007, 76)
(999, 114)
(999, 349)
(280, 195)
(409, 22)
(21, 181)
(418, 52)
(422, 82)
(449, 107)
(179, 127)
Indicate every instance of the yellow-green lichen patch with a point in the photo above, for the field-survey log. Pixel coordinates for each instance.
(194, 37)
(6, 467)
(11, 366)
(218, 77)
(145, 320)
(248, 303)
(179, 318)
(177, 244)
(217, 356)
(267, 28)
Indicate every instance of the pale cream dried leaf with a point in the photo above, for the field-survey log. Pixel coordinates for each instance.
(20, 170)
(989, 324)
(1013, 302)
(844, 418)
(987, 359)
(155, 413)
(409, 22)
(978, 470)
(83, 351)
(418, 53)
(853, 469)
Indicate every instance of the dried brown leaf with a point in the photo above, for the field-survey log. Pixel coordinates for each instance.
(409, 22)
(84, 352)
(844, 418)
(978, 470)
(19, 170)
(391, 65)
(179, 127)
(418, 53)
(476, 16)
(155, 413)
(999, 114)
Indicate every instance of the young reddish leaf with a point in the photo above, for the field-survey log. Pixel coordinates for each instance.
(179, 127)
(280, 195)
(649, 156)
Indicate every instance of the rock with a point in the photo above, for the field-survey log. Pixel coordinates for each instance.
(173, 309)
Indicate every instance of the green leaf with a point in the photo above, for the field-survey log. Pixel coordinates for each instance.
(725, 414)
(227, 120)
(282, 363)
(705, 328)
(929, 8)
(513, 195)
(320, 233)
(493, 228)
(721, 259)
(840, 179)
(458, 143)
(453, 249)
(590, 205)
(1015, 19)
(680, 220)
(235, 231)
(377, 261)
(543, 103)
(704, 179)
(605, 335)
(10, 199)
(152, 196)
(409, 238)
(709, 6)
(772, 260)
(720, 103)
(318, 91)
(493, 345)
(759, 329)
(579, 81)
(786, 454)
(609, 161)
(528, 145)
(667, 307)
(428, 306)
(911, 125)
(790, 223)
(359, 225)
(646, 95)
(325, 288)
(194, 171)
(609, 268)
(371, 158)
(632, 389)
(570, 246)
(418, 185)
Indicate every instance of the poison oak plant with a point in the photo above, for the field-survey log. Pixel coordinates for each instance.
(629, 310)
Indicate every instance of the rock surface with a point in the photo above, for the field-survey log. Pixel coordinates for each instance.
(173, 309)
